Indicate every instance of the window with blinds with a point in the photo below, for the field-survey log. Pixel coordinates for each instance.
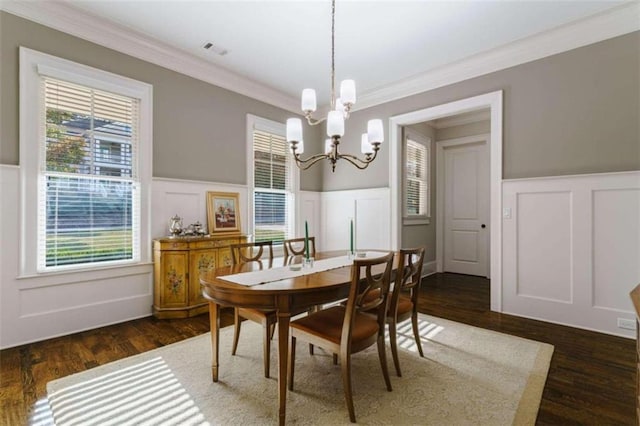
(273, 188)
(416, 183)
(89, 189)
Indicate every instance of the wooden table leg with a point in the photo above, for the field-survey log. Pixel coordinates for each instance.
(283, 358)
(214, 320)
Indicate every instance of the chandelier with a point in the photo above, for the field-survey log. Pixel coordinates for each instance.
(340, 109)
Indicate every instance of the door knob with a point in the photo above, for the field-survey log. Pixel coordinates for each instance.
(483, 226)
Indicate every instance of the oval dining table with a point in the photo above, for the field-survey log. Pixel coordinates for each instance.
(286, 296)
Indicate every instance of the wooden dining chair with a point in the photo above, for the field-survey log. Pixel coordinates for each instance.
(245, 253)
(346, 329)
(295, 247)
(252, 252)
(404, 299)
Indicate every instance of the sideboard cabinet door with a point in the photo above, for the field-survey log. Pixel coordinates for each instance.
(200, 260)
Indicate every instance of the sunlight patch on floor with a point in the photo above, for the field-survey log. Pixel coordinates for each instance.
(144, 393)
(41, 414)
(426, 329)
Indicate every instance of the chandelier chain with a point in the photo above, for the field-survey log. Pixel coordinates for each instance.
(333, 54)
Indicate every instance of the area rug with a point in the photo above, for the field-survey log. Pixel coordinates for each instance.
(469, 376)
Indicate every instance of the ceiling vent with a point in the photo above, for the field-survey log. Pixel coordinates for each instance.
(215, 49)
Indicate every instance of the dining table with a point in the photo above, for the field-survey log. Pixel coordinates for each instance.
(281, 287)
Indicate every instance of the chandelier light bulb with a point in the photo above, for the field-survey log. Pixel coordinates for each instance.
(375, 130)
(294, 130)
(309, 100)
(348, 92)
(335, 123)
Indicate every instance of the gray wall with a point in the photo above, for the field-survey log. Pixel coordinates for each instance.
(571, 113)
(575, 112)
(471, 129)
(199, 130)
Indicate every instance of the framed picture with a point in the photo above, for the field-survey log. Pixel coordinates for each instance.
(223, 212)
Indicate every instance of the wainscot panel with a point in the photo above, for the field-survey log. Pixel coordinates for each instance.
(571, 249)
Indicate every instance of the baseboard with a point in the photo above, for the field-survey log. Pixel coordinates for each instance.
(429, 268)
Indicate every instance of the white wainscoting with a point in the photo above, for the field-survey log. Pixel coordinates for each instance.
(40, 307)
(371, 213)
(571, 249)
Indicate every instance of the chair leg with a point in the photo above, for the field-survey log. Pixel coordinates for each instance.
(394, 346)
(310, 348)
(416, 332)
(266, 348)
(236, 330)
(335, 359)
(383, 361)
(272, 330)
(292, 361)
(346, 383)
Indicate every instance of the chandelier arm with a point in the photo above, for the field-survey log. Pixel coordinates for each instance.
(358, 162)
(305, 164)
(312, 121)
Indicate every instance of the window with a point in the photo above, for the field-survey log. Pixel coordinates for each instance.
(416, 182)
(89, 175)
(274, 182)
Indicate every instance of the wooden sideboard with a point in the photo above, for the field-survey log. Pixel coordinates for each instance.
(635, 298)
(177, 263)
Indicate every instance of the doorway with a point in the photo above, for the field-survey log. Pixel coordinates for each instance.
(493, 101)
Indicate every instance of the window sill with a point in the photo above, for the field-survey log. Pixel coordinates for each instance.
(411, 221)
(72, 276)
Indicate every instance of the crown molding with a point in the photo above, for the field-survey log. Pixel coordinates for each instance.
(611, 23)
(58, 15)
(63, 17)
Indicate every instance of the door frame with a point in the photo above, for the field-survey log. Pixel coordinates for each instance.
(493, 101)
(440, 147)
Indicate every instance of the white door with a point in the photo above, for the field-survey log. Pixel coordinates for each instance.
(466, 206)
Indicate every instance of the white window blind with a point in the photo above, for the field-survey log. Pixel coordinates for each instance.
(416, 183)
(273, 194)
(89, 187)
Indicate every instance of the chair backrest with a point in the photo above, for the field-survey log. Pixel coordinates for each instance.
(370, 283)
(295, 247)
(408, 275)
(251, 252)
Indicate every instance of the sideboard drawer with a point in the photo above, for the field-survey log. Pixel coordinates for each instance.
(215, 243)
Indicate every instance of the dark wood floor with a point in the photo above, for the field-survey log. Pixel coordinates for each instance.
(591, 379)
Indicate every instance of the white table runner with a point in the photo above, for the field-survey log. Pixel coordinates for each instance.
(253, 278)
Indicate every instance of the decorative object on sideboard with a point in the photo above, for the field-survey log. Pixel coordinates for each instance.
(340, 109)
(223, 212)
(194, 230)
(175, 226)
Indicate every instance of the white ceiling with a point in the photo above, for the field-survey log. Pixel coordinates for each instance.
(286, 45)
